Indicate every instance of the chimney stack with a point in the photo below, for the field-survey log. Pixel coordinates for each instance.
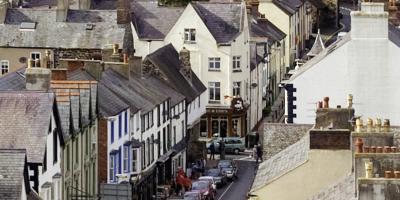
(3, 10)
(254, 7)
(184, 57)
(62, 10)
(370, 22)
(123, 16)
(37, 78)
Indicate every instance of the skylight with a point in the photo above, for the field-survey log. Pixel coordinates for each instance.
(28, 26)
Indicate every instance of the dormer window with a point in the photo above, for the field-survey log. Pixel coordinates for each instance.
(190, 35)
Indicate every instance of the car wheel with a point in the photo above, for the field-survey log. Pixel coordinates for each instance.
(236, 151)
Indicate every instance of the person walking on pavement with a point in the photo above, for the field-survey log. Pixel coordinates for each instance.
(259, 153)
(212, 151)
(255, 153)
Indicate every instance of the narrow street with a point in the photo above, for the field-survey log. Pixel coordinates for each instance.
(238, 188)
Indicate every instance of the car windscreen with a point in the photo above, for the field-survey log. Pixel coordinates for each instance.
(191, 196)
(213, 172)
(200, 185)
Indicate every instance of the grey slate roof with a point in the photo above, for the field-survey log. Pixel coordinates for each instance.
(13, 80)
(24, 121)
(223, 20)
(12, 166)
(109, 103)
(70, 34)
(152, 21)
(278, 137)
(167, 60)
(342, 190)
(281, 163)
(134, 91)
(288, 6)
(263, 28)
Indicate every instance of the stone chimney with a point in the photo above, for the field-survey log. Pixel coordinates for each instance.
(254, 7)
(37, 78)
(123, 16)
(84, 4)
(62, 10)
(3, 10)
(370, 22)
(184, 57)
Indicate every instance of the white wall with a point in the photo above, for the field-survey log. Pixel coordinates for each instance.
(52, 168)
(196, 109)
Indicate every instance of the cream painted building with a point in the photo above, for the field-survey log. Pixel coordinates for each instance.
(293, 17)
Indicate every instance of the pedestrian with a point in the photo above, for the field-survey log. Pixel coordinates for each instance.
(212, 151)
(257, 137)
(255, 152)
(259, 153)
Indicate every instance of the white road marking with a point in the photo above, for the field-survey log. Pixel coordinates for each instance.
(225, 190)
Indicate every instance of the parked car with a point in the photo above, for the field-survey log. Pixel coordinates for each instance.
(211, 180)
(232, 144)
(228, 167)
(205, 189)
(192, 195)
(218, 175)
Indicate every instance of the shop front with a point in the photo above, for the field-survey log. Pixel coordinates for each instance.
(144, 185)
(225, 121)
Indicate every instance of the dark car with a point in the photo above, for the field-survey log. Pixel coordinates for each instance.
(205, 189)
(228, 167)
(219, 176)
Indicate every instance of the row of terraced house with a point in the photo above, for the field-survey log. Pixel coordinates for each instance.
(102, 92)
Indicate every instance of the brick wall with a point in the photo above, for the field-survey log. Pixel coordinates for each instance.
(102, 154)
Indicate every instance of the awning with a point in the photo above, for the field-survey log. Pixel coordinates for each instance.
(165, 156)
(180, 146)
(135, 143)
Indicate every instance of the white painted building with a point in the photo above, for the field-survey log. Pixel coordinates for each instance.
(219, 55)
(363, 63)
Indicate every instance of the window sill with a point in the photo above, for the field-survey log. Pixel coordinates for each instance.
(214, 70)
(214, 101)
(189, 42)
(236, 70)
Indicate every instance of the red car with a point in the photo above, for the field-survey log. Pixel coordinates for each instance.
(205, 188)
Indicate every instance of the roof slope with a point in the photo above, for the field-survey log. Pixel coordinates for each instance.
(281, 163)
(70, 34)
(264, 28)
(134, 92)
(278, 137)
(12, 163)
(167, 60)
(109, 103)
(223, 20)
(24, 121)
(342, 190)
(152, 21)
(290, 7)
